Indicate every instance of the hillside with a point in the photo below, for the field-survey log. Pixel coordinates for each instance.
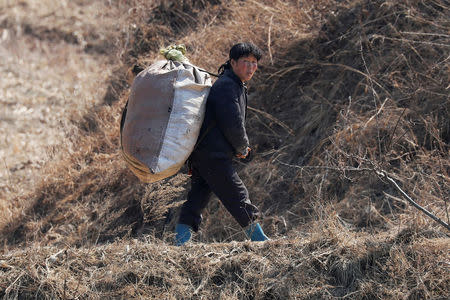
(349, 107)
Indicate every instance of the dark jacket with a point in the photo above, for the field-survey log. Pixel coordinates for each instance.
(223, 130)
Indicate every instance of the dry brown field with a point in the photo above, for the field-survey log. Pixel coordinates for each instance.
(348, 120)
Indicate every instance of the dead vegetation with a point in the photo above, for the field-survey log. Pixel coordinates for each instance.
(48, 83)
(330, 266)
(346, 89)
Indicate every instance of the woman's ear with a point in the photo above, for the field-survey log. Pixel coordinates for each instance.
(233, 63)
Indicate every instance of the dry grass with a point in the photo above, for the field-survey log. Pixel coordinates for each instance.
(358, 86)
(45, 86)
(333, 265)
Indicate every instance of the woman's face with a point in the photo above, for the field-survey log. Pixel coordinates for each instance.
(245, 67)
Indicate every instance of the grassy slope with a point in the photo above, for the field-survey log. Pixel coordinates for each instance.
(54, 68)
(90, 230)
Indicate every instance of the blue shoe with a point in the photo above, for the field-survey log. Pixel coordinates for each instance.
(183, 234)
(255, 233)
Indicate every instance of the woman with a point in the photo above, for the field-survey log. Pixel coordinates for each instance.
(223, 137)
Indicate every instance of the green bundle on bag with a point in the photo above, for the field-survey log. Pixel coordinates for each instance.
(174, 53)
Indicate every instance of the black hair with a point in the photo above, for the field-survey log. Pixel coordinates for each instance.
(239, 50)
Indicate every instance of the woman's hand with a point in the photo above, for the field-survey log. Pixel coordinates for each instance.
(244, 155)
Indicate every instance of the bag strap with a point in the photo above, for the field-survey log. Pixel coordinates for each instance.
(212, 74)
(200, 69)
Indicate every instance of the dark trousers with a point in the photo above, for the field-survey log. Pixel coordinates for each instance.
(216, 174)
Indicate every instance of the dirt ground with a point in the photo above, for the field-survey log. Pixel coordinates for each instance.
(49, 79)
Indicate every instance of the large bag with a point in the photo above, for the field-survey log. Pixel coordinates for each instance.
(161, 122)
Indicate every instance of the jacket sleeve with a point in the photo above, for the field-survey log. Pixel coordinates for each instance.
(230, 118)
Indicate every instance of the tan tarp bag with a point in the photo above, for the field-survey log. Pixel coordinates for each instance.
(163, 117)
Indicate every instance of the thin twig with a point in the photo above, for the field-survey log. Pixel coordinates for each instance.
(8, 289)
(425, 33)
(376, 114)
(446, 209)
(267, 126)
(201, 285)
(375, 97)
(268, 40)
(393, 131)
(347, 169)
(395, 198)
(381, 173)
(408, 41)
(356, 71)
(415, 204)
(445, 198)
(270, 117)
